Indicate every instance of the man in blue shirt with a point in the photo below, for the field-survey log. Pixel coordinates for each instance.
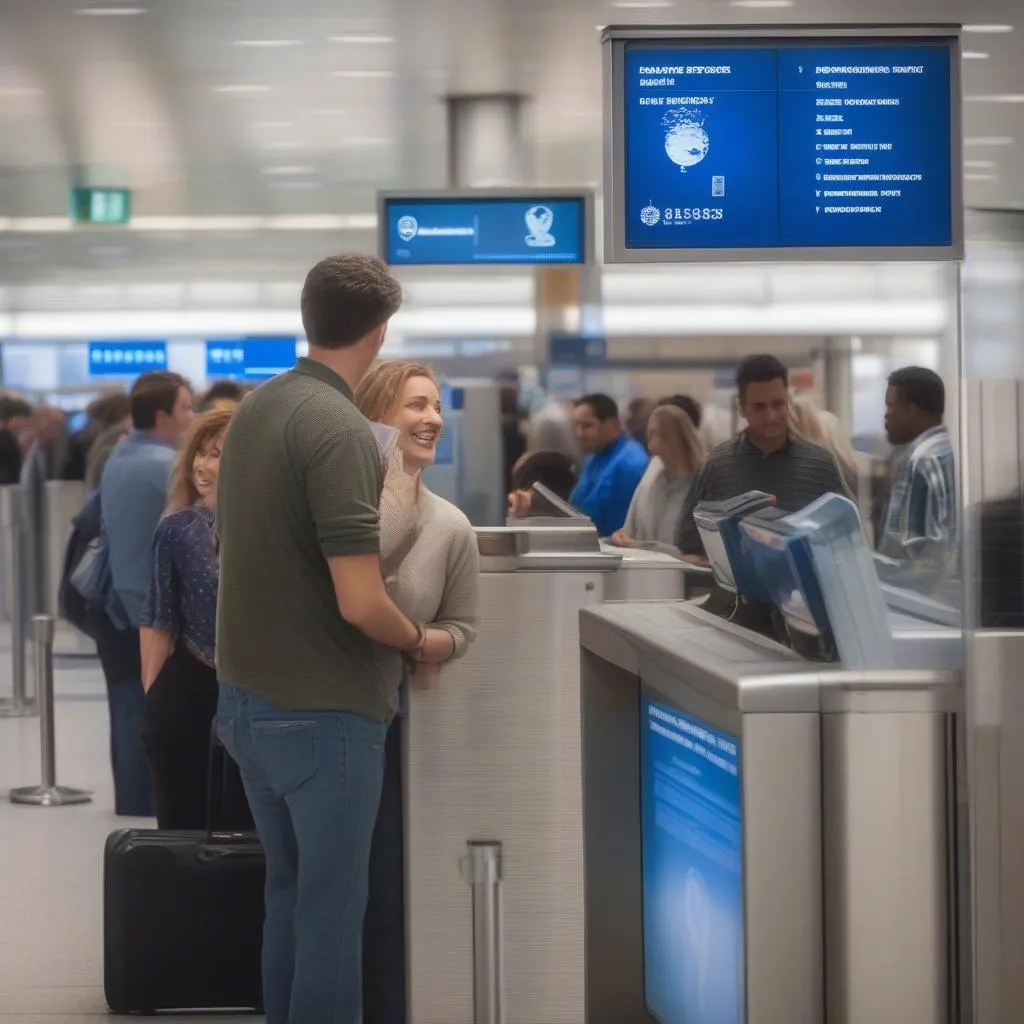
(919, 538)
(133, 492)
(613, 467)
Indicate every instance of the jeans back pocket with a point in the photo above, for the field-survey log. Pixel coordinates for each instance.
(287, 752)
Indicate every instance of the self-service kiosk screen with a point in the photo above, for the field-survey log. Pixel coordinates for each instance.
(692, 837)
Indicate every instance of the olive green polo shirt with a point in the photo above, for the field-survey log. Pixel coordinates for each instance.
(300, 481)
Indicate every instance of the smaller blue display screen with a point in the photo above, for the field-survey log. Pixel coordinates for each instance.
(692, 836)
(249, 358)
(461, 230)
(126, 358)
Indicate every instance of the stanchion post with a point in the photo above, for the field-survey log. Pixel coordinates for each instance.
(48, 794)
(483, 868)
(12, 522)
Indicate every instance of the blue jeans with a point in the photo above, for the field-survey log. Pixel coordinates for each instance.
(313, 779)
(133, 784)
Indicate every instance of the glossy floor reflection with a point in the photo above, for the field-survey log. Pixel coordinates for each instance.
(51, 928)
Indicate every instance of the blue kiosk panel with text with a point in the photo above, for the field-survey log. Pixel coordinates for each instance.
(465, 230)
(692, 841)
(126, 358)
(249, 358)
(788, 143)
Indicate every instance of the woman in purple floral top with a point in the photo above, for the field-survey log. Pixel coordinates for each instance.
(178, 631)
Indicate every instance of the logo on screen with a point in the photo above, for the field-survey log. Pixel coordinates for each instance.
(686, 142)
(407, 228)
(650, 215)
(538, 221)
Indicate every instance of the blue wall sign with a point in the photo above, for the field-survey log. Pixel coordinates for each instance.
(249, 358)
(461, 230)
(799, 144)
(692, 837)
(126, 358)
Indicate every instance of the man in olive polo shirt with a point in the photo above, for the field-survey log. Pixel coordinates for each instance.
(308, 642)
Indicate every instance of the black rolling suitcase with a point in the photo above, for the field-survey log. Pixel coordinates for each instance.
(183, 911)
(183, 921)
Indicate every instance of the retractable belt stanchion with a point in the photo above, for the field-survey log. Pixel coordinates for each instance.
(48, 794)
(13, 532)
(483, 871)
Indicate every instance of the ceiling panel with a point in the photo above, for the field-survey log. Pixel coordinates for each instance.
(215, 107)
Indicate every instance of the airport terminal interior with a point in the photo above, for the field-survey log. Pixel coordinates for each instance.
(723, 302)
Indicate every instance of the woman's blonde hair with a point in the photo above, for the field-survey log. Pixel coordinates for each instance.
(205, 427)
(378, 395)
(822, 428)
(679, 431)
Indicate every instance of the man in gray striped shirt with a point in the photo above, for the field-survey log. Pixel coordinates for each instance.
(767, 456)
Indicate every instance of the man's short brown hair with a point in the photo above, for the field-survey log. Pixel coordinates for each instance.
(153, 393)
(345, 298)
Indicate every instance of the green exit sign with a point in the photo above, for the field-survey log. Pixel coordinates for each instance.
(101, 205)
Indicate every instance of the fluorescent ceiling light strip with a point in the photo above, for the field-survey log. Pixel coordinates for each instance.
(299, 222)
(154, 324)
(855, 317)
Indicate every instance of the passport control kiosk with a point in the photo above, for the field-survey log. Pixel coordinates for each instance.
(773, 818)
(771, 824)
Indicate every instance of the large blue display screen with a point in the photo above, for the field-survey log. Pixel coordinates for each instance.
(463, 230)
(692, 869)
(818, 145)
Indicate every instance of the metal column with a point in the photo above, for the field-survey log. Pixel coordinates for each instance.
(483, 866)
(48, 794)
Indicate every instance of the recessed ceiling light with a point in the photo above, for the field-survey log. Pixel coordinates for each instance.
(110, 11)
(640, 5)
(347, 73)
(1005, 97)
(979, 165)
(267, 43)
(761, 3)
(974, 55)
(989, 140)
(979, 177)
(241, 89)
(285, 170)
(362, 40)
(294, 185)
(991, 30)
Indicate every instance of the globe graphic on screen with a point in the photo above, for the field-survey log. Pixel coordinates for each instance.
(686, 144)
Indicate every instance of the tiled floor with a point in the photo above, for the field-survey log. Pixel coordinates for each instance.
(51, 946)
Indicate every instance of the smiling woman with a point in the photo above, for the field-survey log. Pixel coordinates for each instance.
(431, 569)
(177, 635)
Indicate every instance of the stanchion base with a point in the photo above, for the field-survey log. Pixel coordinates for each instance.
(50, 796)
(9, 708)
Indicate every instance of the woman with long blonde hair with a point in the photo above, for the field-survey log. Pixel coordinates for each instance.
(677, 455)
(178, 630)
(431, 569)
(822, 428)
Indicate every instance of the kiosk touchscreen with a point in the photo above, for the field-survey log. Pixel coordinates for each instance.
(816, 565)
(692, 849)
(718, 524)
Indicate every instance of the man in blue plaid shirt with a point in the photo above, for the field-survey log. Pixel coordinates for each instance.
(917, 547)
